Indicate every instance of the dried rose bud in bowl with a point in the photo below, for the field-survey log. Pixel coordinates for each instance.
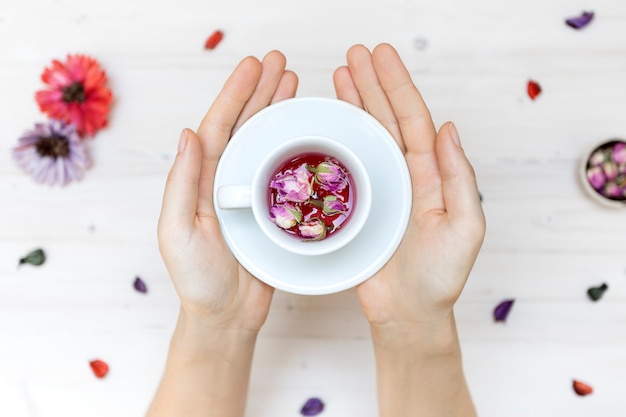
(603, 173)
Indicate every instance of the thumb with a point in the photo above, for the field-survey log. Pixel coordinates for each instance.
(460, 191)
(180, 199)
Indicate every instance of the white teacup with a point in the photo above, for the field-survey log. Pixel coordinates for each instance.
(255, 196)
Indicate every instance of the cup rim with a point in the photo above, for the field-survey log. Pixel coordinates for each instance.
(358, 218)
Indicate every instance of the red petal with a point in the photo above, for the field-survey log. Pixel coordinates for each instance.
(100, 368)
(581, 388)
(534, 89)
(214, 40)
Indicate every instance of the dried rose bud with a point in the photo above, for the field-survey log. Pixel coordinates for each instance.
(140, 286)
(502, 310)
(619, 153)
(581, 388)
(333, 206)
(330, 176)
(314, 229)
(581, 21)
(100, 368)
(295, 187)
(597, 158)
(285, 215)
(312, 407)
(36, 258)
(596, 177)
(610, 170)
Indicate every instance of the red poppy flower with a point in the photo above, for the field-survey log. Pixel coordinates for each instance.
(77, 94)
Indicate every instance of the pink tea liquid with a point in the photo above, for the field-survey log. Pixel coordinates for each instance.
(311, 211)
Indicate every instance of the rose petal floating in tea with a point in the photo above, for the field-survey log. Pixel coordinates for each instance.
(581, 21)
(100, 368)
(36, 258)
(534, 89)
(581, 388)
(595, 293)
(214, 40)
(502, 310)
(312, 407)
(140, 286)
(293, 186)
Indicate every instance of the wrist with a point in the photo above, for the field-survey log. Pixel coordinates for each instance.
(198, 336)
(435, 337)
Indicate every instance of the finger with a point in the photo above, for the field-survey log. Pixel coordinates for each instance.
(217, 125)
(374, 98)
(416, 125)
(180, 198)
(273, 67)
(286, 87)
(345, 88)
(460, 191)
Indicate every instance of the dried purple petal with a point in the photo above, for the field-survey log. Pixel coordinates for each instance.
(595, 293)
(502, 310)
(312, 407)
(140, 286)
(581, 21)
(36, 258)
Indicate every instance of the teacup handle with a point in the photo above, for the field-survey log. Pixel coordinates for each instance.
(236, 196)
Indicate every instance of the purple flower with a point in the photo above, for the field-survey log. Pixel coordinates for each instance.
(619, 153)
(611, 189)
(596, 177)
(502, 310)
(285, 215)
(294, 186)
(314, 229)
(610, 170)
(597, 158)
(140, 286)
(581, 21)
(333, 206)
(52, 153)
(312, 407)
(331, 176)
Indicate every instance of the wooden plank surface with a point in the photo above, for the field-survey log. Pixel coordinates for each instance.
(547, 242)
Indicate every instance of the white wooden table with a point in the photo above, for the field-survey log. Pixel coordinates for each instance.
(547, 242)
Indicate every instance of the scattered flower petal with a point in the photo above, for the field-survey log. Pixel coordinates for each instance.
(312, 407)
(315, 229)
(100, 368)
(77, 94)
(52, 153)
(36, 258)
(140, 286)
(581, 388)
(502, 310)
(595, 293)
(214, 40)
(534, 89)
(581, 21)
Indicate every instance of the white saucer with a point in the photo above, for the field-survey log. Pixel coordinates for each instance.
(391, 195)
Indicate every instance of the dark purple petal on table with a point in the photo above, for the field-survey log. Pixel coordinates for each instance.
(581, 21)
(502, 310)
(312, 407)
(140, 285)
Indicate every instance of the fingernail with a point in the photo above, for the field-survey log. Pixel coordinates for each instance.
(455, 135)
(182, 142)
